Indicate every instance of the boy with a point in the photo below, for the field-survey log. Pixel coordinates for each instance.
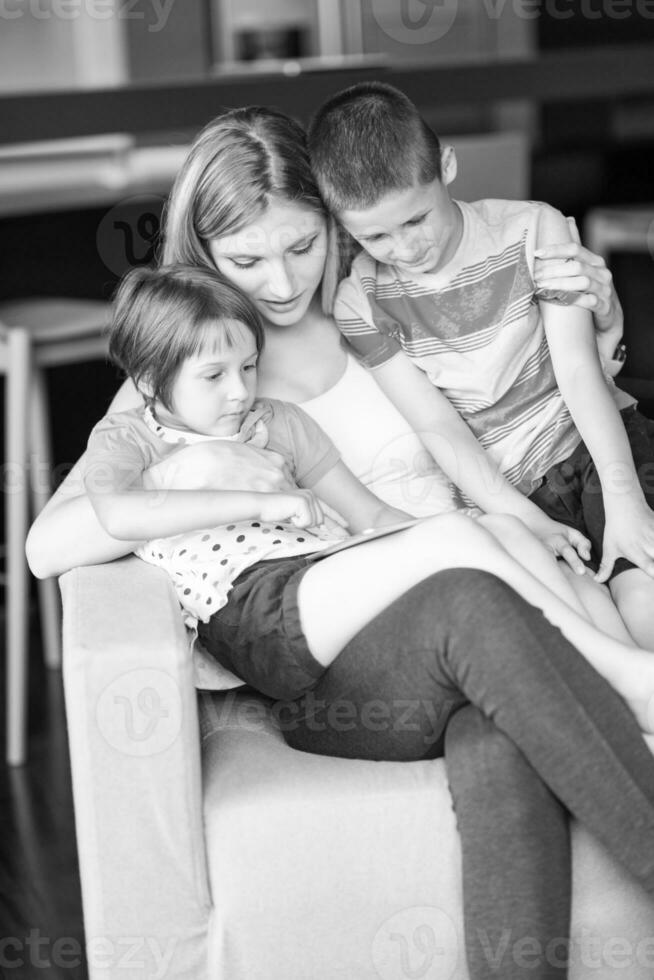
(443, 306)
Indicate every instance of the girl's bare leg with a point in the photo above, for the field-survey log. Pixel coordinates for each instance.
(339, 595)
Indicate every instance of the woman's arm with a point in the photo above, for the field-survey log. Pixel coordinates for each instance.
(68, 533)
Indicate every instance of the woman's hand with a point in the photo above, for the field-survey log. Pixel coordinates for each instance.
(573, 269)
(221, 465)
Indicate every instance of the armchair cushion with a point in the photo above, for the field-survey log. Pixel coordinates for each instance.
(247, 859)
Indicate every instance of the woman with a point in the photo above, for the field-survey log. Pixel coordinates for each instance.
(498, 681)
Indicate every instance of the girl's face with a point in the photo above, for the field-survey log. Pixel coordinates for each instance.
(214, 390)
(277, 261)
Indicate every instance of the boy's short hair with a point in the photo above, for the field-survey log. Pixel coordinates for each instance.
(368, 140)
(164, 316)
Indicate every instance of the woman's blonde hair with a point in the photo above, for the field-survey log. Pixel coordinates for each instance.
(236, 165)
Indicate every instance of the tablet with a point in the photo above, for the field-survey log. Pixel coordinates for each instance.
(370, 535)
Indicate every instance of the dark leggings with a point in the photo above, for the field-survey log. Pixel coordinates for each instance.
(460, 664)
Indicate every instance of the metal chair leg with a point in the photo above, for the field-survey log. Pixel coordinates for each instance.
(41, 488)
(16, 511)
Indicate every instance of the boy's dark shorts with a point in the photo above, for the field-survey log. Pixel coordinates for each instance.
(571, 491)
(258, 634)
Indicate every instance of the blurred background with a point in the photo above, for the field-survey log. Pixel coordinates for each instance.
(71, 223)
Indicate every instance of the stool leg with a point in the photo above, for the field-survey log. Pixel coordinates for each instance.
(16, 512)
(41, 488)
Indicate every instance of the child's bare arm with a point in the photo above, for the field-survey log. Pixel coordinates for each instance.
(629, 521)
(115, 463)
(360, 507)
(454, 447)
(67, 532)
(130, 513)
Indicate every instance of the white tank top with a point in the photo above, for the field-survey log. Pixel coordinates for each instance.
(378, 444)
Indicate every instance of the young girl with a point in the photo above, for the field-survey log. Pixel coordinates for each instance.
(190, 342)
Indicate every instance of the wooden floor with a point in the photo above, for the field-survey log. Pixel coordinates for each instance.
(41, 933)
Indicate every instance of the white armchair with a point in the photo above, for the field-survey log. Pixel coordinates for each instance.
(234, 857)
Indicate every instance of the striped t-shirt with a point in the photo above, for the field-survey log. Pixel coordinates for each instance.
(475, 328)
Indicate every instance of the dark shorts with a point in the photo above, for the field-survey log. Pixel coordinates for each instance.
(571, 490)
(258, 634)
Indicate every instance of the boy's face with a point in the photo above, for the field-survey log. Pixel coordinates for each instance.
(416, 230)
(215, 389)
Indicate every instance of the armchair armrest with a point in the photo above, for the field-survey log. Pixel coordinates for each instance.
(135, 755)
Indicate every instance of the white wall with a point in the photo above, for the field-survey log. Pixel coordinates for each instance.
(40, 49)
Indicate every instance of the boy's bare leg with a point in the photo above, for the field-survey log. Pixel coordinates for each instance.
(633, 593)
(339, 595)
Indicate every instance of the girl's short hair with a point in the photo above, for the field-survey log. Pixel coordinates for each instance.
(369, 140)
(164, 316)
(236, 165)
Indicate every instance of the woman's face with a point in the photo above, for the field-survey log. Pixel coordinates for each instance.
(278, 260)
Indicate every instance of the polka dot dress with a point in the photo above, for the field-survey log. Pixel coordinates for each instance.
(203, 564)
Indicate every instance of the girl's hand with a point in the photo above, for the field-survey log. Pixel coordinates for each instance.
(300, 508)
(220, 465)
(573, 269)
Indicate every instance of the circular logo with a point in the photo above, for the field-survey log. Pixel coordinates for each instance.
(140, 712)
(405, 475)
(415, 21)
(418, 943)
(128, 233)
